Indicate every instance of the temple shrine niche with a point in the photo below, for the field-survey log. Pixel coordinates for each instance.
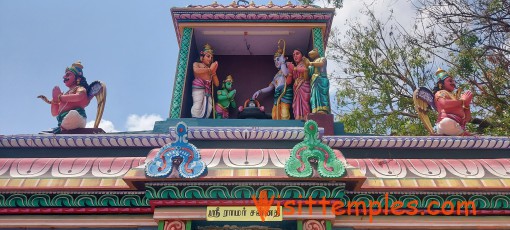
(195, 173)
(243, 40)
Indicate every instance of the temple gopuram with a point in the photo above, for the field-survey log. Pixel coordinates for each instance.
(250, 143)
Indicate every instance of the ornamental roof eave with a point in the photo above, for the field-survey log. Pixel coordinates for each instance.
(296, 8)
(261, 14)
(256, 165)
(233, 134)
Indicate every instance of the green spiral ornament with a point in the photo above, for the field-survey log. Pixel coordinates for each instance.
(312, 149)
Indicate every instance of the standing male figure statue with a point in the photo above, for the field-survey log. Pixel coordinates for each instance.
(282, 86)
(202, 86)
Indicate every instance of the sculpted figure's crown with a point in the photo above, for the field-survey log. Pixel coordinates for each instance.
(278, 52)
(441, 74)
(229, 79)
(76, 68)
(314, 51)
(208, 49)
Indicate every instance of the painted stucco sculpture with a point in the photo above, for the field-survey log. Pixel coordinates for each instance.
(69, 107)
(453, 109)
(226, 98)
(202, 85)
(282, 86)
(319, 96)
(312, 149)
(186, 155)
(301, 87)
(252, 109)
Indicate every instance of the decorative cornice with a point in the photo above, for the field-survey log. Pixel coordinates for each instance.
(151, 140)
(270, 161)
(418, 142)
(497, 209)
(61, 200)
(77, 174)
(487, 202)
(245, 133)
(107, 167)
(425, 193)
(222, 190)
(71, 211)
(251, 133)
(245, 183)
(252, 14)
(433, 168)
(80, 141)
(249, 6)
(491, 204)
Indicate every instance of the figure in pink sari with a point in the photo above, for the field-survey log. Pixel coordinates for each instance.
(301, 102)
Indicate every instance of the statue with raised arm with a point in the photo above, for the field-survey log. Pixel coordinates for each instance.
(202, 86)
(453, 108)
(282, 86)
(225, 98)
(319, 96)
(301, 101)
(69, 107)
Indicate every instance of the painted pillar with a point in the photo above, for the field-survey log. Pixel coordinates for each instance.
(318, 41)
(182, 71)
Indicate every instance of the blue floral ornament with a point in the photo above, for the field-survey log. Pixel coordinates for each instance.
(191, 166)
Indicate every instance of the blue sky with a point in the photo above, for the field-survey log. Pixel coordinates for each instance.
(130, 45)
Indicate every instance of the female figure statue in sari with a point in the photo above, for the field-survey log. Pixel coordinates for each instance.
(301, 102)
(319, 99)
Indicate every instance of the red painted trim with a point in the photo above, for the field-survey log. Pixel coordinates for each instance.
(14, 211)
(181, 203)
(173, 203)
(177, 203)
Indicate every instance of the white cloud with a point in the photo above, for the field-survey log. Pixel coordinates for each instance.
(106, 125)
(141, 123)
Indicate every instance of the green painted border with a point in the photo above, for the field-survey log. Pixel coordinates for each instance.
(188, 224)
(329, 226)
(318, 41)
(161, 225)
(72, 200)
(243, 191)
(195, 191)
(182, 71)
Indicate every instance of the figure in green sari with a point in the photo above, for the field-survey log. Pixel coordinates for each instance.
(319, 96)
